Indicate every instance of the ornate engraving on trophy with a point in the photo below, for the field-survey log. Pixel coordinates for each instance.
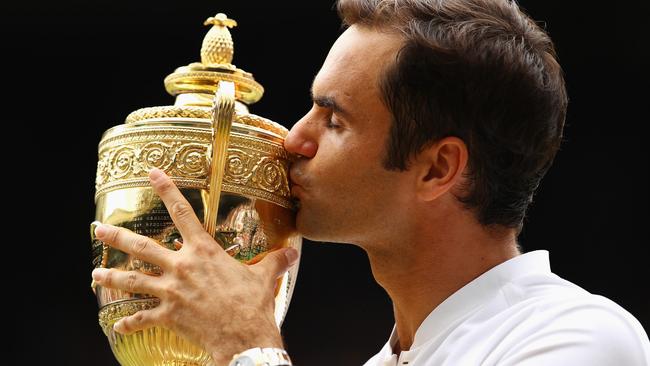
(192, 160)
(250, 168)
(136, 160)
(108, 315)
(254, 166)
(155, 155)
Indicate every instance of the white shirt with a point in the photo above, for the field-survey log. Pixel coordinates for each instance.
(520, 313)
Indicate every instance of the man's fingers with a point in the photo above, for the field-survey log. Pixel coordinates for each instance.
(130, 281)
(179, 209)
(278, 262)
(141, 320)
(140, 246)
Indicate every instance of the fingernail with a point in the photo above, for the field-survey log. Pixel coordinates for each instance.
(292, 256)
(99, 274)
(156, 174)
(118, 326)
(100, 230)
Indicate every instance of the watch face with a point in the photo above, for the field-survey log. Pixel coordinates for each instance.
(243, 361)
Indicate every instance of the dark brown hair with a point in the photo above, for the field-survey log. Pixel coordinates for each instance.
(480, 70)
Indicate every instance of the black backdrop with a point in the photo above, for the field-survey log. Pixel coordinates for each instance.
(73, 69)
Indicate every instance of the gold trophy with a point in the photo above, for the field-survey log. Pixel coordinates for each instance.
(230, 165)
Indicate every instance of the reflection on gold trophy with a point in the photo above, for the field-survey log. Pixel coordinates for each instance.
(229, 164)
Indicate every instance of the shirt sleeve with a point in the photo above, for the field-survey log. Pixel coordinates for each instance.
(588, 334)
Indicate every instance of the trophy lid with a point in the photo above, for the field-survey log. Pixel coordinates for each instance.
(195, 84)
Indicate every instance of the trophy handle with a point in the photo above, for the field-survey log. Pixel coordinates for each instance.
(223, 112)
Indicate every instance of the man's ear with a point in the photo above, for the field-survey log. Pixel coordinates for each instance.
(440, 166)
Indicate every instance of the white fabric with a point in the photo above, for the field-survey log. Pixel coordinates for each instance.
(519, 313)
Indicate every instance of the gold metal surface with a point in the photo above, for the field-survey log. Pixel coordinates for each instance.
(254, 213)
(202, 113)
(256, 165)
(217, 45)
(222, 115)
(216, 57)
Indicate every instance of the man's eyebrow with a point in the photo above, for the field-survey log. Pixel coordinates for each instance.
(328, 102)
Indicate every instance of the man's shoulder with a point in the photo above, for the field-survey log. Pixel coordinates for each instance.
(557, 320)
(548, 301)
(575, 310)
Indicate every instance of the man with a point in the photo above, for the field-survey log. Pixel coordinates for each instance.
(433, 123)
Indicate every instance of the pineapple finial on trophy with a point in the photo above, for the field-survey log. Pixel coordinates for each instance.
(217, 47)
(196, 83)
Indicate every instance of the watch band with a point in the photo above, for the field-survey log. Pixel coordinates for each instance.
(261, 357)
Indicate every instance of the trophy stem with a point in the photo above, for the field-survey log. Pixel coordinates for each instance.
(223, 112)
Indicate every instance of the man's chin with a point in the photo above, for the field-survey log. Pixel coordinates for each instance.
(316, 232)
(309, 230)
(305, 230)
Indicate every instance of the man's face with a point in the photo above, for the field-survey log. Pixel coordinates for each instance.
(345, 193)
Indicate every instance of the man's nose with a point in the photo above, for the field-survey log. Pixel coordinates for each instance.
(301, 141)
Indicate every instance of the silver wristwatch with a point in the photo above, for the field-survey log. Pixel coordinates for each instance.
(261, 357)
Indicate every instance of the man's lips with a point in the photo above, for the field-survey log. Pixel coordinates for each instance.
(296, 177)
(296, 190)
(294, 174)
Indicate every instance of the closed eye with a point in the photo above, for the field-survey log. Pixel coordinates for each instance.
(329, 103)
(331, 124)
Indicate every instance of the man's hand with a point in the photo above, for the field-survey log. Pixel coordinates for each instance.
(206, 296)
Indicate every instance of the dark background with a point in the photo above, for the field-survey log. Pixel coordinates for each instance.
(72, 69)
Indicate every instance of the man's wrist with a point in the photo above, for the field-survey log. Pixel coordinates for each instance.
(261, 357)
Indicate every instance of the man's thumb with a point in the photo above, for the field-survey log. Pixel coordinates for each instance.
(279, 261)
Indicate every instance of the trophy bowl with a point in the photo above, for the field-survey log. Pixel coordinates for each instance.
(254, 212)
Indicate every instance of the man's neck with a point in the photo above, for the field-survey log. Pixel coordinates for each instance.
(420, 271)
